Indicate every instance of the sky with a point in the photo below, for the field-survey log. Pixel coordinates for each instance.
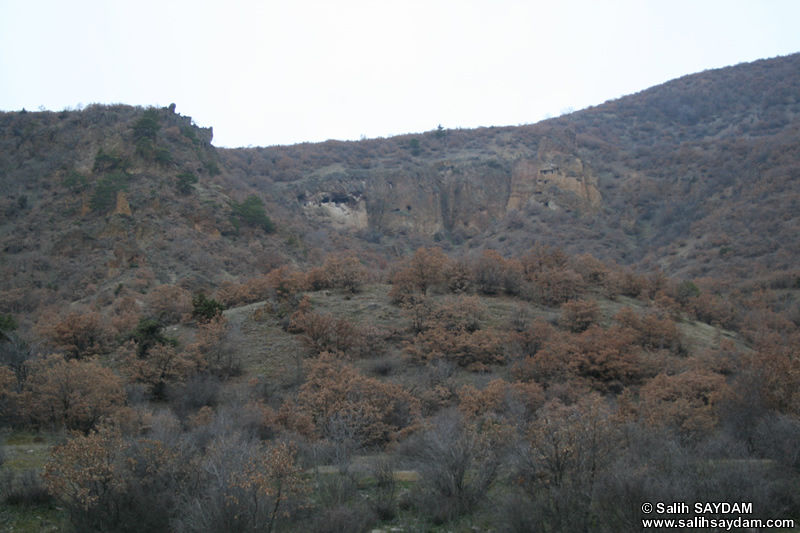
(270, 72)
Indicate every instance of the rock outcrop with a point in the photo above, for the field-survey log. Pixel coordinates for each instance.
(448, 196)
(553, 179)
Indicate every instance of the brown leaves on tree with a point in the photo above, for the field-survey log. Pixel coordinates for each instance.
(651, 331)
(777, 365)
(271, 478)
(340, 271)
(79, 335)
(323, 333)
(86, 469)
(170, 303)
(279, 284)
(452, 331)
(605, 359)
(578, 315)
(516, 401)
(685, 401)
(424, 270)
(72, 394)
(472, 350)
(160, 366)
(343, 404)
(211, 350)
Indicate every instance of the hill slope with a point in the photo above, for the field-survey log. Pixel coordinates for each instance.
(679, 174)
(527, 378)
(697, 176)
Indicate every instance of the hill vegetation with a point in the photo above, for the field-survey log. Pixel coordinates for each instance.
(533, 328)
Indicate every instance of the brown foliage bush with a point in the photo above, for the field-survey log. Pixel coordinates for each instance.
(71, 394)
(107, 483)
(578, 315)
(651, 331)
(776, 362)
(593, 271)
(279, 285)
(160, 366)
(490, 272)
(714, 310)
(85, 473)
(79, 335)
(528, 339)
(343, 404)
(340, 271)
(426, 269)
(170, 303)
(685, 401)
(516, 401)
(458, 276)
(473, 350)
(452, 331)
(622, 281)
(271, 478)
(213, 347)
(606, 359)
(323, 333)
(554, 287)
(403, 287)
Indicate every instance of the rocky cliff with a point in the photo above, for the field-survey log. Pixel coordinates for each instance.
(456, 194)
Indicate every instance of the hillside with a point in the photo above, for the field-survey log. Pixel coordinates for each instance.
(697, 176)
(678, 176)
(532, 328)
(111, 197)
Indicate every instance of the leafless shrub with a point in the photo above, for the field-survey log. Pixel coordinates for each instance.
(24, 488)
(329, 452)
(336, 489)
(382, 366)
(196, 392)
(244, 486)
(455, 467)
(778, 438)
(345, 519)
(518, 513)
(384, 501)
(15, 352)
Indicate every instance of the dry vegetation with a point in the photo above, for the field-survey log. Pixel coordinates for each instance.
(495, 399)
(183, 349)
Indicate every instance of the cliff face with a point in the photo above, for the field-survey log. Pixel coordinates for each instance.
(553, 180)
(455, 195)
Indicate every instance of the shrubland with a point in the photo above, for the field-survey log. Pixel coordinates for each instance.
(434, 331)
(490, 403)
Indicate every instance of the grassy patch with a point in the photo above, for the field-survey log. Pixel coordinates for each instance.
(38, 519)
(265, 348)
(23, 450)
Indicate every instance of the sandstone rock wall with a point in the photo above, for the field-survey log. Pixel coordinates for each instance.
(553, 177)
(462, 196)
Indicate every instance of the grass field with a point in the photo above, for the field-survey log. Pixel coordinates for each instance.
(22, 454)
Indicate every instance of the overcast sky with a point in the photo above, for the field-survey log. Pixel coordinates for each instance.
(283, 72)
